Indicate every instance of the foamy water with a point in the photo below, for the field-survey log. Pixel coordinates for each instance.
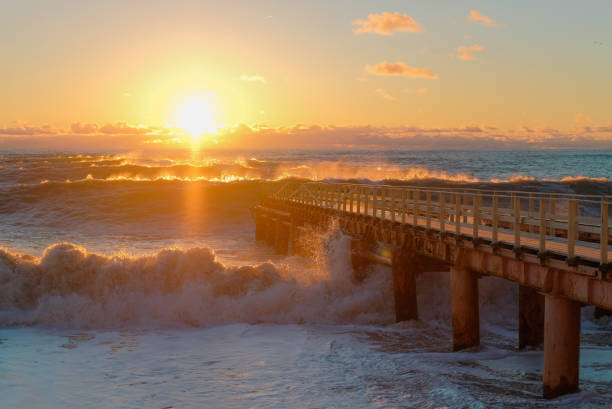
(135, 281)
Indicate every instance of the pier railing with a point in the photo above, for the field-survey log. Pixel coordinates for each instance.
(575, 226)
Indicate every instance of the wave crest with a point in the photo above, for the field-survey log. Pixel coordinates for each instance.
(69, 286)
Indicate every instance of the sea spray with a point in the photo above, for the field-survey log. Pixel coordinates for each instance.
(69, 286)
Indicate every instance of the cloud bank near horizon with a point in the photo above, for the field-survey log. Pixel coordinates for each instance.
(121, 136)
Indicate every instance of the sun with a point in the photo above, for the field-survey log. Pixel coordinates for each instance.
(195, 115)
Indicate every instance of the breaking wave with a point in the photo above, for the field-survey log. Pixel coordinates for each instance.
(48, 168)
(70, 287)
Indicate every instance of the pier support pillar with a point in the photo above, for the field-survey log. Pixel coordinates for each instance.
(358, 261)
(297, 241)
(464, 306)
(531, 317)
(293, 238)
(561, 346)
(281, 241)
(270, 231)
(260, 227)
(404, 271)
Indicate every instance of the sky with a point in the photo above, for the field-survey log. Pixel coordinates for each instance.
(305, 74)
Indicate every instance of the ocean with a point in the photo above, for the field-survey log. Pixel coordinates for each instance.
(133, 280)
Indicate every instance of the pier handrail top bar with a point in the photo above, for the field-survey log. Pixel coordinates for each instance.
(465, 191)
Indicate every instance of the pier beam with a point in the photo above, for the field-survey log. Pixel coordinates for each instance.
(281, 241)
(464, 306)
(404, 271)
(561, 346)
(531, 317)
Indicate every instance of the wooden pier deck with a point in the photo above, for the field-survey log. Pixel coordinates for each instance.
(556, 247)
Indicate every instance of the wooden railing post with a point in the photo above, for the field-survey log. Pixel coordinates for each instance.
(543, 205)
(393, 194)
(476, 215)
(404, 193)
(428, 209)
(517, 221)
(571, 228)
(603, 236)
(457, 214)
(442, 213)
(553, 211)
(531, 212)
(415, 207)
(495, 218)
(375, 202)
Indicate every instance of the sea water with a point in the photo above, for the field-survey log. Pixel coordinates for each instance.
(133, 280)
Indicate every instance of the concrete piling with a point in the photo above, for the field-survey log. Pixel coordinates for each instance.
(270, 231)
(404, 271)
(260, 227)
(281, 240)
(464, 306)
(561, 346)
(531, 317)
(358, 261)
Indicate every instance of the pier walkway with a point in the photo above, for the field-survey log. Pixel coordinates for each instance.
(556, 247)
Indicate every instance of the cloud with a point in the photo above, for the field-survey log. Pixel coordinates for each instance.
(386, 23)
(253, 78)
(465, 53)
(21, 129)
(582, 118)
(400, 69)
(83, 129)
(420, 91)
(122, 136)
(470, 136)
(122, 128)
(384, 94)
(478, 17)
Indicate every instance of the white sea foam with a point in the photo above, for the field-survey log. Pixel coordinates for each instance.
(68, 286)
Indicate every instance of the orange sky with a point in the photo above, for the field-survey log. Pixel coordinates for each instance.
(305, 74)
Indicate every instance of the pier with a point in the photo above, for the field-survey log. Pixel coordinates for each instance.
(556, 247)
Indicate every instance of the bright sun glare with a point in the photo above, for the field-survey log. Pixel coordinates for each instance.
(195, 116)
